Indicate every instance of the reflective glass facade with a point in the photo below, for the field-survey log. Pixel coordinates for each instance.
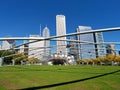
(85, 50)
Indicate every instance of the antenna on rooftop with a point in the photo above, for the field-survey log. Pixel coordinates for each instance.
(40, 30)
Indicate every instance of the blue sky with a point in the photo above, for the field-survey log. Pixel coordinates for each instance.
(23, 17)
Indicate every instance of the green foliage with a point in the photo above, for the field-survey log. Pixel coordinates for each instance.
(3, 53)
(19, 57)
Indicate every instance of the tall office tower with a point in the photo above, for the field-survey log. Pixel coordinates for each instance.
(46, 34)
(110, 49)
(7, 44)
(61, 30)
(36, 49)
(85, 50)
(99, 48)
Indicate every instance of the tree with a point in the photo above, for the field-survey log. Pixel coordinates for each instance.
(109, 59)
(32, 60)
(78, 61)
(19, 57)
(95, 60)
(5, 55)
(100, 60)
(117, 60)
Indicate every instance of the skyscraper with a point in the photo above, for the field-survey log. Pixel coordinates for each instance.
(36, 49)
(61, 30)
(46, 34)
(99, 48)
(85, 50)
(7, 44)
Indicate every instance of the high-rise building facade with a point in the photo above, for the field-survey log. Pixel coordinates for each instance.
(36, 49)
(73, 50)
(85, 50)
(110, 49)
(46, 34)
(7, 44)
(24, 48)
(61, 30)
(99, 46)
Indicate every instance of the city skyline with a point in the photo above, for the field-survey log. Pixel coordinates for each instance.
(22, 18)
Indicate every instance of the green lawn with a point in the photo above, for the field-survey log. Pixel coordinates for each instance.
(60, 77)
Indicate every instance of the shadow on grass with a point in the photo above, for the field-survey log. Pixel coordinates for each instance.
(69, 82)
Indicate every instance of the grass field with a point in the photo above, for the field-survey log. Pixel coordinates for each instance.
(60, 77)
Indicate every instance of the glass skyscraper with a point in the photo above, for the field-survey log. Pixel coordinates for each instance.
(85, 50)
(99, 48)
